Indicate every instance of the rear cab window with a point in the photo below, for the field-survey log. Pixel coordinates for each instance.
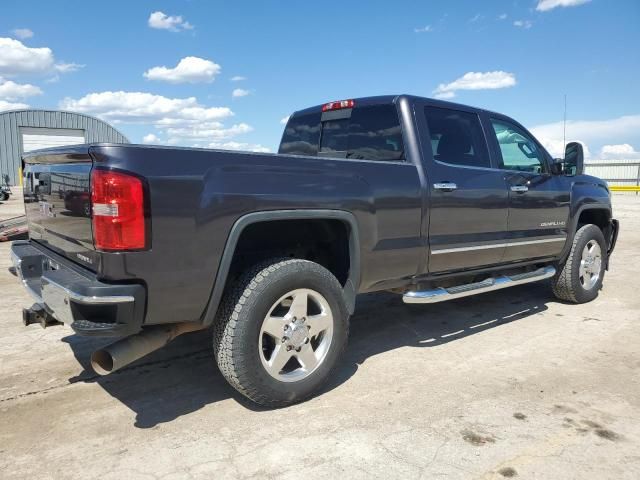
(301, 135)
(369, 132)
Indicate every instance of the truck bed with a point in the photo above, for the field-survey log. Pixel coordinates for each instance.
(195, 198)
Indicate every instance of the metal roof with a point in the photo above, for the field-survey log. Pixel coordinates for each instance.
(95, 130)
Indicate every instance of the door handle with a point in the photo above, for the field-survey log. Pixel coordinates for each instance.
(445, 186)
(519, 188)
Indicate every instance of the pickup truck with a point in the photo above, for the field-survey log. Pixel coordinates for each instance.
(425, 198)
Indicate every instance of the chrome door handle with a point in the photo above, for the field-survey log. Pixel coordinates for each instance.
(519, 188)
(445, 186)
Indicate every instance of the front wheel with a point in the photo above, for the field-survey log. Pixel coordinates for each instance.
(581, 276)
(280, 331)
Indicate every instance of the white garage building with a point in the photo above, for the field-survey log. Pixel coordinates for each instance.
(23, 131)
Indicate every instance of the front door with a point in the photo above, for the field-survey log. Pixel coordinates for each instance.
(538, 201)
(468, 196)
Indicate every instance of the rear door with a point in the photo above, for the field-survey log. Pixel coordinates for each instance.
(538, 201)
(468, 196)
(364, 142)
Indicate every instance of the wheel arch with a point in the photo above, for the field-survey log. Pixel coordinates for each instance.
(587, 213)
(352, 283)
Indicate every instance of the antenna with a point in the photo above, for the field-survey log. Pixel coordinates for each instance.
(564, 123)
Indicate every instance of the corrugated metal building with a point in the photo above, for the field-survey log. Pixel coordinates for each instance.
(26, 130)
(616, 172)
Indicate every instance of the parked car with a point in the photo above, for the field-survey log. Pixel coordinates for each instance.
(426, 198)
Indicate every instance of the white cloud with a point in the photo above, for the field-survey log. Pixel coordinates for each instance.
(502, 16)
(247, 147)
(178, 121)
(240, 92)
(151, 138)
(211, 131)
(12, 106)
(188, 70)
(22, 33)
(526, 24)
(12, 91)
(590, 132)
(425, 29)
(620, 151)
(162, 21)
(475, 18)
(68, 67)
(476, 81)
(142, 107)
(284, 120)
(444, 95)
(238, 78)
(16, 58)
(545, 5)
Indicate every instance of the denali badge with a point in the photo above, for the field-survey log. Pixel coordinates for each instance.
(553, 224)
(84, 258)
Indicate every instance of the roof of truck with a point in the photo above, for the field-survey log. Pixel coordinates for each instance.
(381, 99)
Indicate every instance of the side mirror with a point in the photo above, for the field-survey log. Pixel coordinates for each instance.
(574, 159)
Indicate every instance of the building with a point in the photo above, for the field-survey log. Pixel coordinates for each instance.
(22, 131)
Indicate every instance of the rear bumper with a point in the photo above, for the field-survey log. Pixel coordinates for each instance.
(75, 298)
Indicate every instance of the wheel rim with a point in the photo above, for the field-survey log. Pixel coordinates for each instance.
(296, 335)
(590, 265)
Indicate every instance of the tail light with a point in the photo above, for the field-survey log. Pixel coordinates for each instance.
(118, 211)
(338, 105)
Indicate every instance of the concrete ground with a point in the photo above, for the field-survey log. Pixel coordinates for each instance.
(507, 384)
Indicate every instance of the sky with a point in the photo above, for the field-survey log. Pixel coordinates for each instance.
(226, 74)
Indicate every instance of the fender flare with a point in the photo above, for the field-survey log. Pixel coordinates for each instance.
(573, 227)
(352, 284)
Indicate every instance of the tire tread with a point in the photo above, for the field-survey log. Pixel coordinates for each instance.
(229, 343)
(563, 285)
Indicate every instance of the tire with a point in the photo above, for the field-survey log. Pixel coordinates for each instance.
(5, 197)
(243, 344)
(569, 284)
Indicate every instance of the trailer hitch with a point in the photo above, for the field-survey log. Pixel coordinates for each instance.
(37, 314)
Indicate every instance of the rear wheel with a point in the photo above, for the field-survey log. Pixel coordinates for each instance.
(280, 331)
(581, 276)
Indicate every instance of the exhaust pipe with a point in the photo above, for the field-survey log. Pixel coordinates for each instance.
(129, 349)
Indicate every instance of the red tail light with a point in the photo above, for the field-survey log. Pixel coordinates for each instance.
(338, 105)
(117, 200)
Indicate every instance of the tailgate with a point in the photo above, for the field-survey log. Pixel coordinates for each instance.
(58, 202)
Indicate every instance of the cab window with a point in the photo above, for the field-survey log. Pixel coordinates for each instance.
(370, 133)
(301, 135)
(518, 150)
(457, 137)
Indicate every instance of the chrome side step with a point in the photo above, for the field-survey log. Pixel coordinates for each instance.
(493, 283)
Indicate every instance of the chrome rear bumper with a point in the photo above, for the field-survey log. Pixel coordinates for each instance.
(75, 298)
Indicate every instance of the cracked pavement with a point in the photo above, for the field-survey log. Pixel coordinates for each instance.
(507, 384)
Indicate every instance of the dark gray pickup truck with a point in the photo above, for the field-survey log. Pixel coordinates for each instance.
(428, 199)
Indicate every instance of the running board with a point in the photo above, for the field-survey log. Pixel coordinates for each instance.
(493, 283)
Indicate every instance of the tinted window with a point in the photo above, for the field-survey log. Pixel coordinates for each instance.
(301, 135)
(371, 133)
(519, 151)
(457, 137)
